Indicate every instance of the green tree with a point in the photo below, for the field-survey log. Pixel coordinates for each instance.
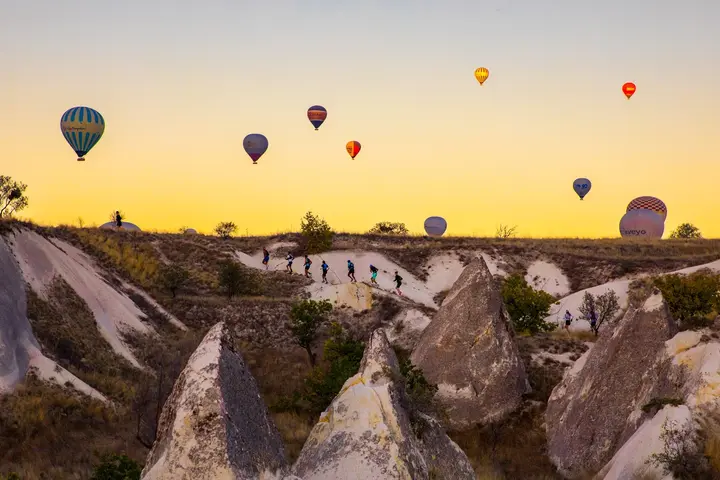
(605, 307)
(117, 467)
(527, 307)
(173, 277)
(225, 230)
(690, 297)
(235, 280)
(316, 232)
(12, 196)
(306, 317)
(686, 230)
(389, 228)
(344, 355)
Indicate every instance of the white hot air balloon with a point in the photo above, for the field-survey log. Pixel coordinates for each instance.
(642, 223)
(435, 226)
(582, 187)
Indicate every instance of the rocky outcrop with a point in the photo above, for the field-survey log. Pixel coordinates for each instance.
(15, 332)
(367, 433)
(598, 405)
(469, 351)
(215, 425)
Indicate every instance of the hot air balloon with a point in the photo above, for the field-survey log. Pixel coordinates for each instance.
(353, 148)
(255, 144)
(629, 89)
(642, 223)
(482, 74)
(317, 115)
(82, 127)
(435, 226)
(582, 187)
(649, 203)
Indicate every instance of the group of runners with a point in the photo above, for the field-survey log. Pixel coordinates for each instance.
(325, 268)
(592, 317)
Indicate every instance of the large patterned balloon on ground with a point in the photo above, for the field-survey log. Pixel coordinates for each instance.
(649, 203)
(642, 223)
(82, 127)
(317, 115)
(582, 187)
(435, 226)
(629, 89)
(482, 74)
(255, 145)
(353, 148)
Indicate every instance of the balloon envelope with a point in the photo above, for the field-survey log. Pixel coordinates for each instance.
(582, 187)
(255, 145)
(317, 115)
(482, 74)
(82, 128)
(435, 226)
(629, 89)
(353, 148)
(649, 203)
(642, 223)
(125, 226)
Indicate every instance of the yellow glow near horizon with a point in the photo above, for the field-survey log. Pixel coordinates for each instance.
(180, 93)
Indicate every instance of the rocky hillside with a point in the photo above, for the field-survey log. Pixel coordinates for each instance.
(99, 336)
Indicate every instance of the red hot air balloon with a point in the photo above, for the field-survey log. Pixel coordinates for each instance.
(629, 89)
(353, 148)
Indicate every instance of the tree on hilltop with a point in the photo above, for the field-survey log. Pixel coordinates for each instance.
(686, 230)
(12, 196)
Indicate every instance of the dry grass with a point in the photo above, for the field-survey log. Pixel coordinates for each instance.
(47, 431)
(67, 332)
(511, 450)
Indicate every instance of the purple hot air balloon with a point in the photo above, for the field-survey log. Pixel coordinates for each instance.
(255, 145)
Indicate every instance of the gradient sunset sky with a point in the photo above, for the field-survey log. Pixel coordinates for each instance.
(180, 83)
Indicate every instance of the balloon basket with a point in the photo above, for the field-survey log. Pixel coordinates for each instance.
(81, 159)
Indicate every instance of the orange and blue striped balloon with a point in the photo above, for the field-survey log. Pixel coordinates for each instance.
(82, 127)
(317, 115)
(353, 148)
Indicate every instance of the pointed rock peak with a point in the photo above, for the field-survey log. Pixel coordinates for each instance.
(367, 433)
(214, 425)
(378, 357)
(602, 404)
(476, 273)
(469, 352)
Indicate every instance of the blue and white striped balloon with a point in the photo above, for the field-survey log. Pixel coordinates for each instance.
(82, 127)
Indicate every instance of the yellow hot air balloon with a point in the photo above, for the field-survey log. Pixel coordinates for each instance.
(482, 74)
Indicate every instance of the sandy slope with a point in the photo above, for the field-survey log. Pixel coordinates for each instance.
(41, 261)
(572, 302)
(442, 269)
(19, 350)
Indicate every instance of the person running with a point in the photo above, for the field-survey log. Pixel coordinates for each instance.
(373, 276)
(593, 322)
(398, 283)
(308, 262)
(351, 271)
(325, 268)
(289, 259)
(568, 320)
(266, 257)
(118, 220)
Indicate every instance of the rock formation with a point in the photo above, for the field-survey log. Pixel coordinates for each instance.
(469, 351)
(15, 332)
(367, 433)
(215, 425)
(598, 405)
